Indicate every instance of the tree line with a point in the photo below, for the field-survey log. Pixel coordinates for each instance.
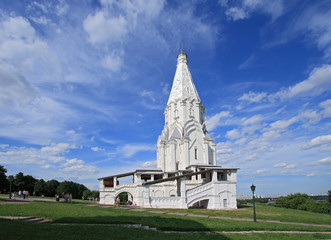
(39, 187)
(302, 201)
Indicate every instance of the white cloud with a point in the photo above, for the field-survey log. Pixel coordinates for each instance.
(256, 119)
(76, 170)
(252, 97)
(233, 134)
(73, 162)
(129, 150)
(148, 94)
(149, 164)
(290, 166)
(36, 156)
(103, 28)
(76, 167)
(325, 161)
(97, 149)
(215, 121)
(311, 174)
(260, 172)
(236, 13)
(24, 50)
(280, 165)
(14, 89)
(57, 148)
(315, 22)
(318, 81)
(318, 141)
(326, 105)
(113, 62)
(283, 124)
(244, 8)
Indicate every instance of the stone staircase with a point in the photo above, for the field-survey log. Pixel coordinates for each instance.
(27, 219)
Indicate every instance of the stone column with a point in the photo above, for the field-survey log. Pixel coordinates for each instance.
(206, 152)
(115, 181)
(160, 156)
(183, 192)
(172, 156)
(146, 196)
(214, 153)
(214, 177)
(186, 151)
(101, 185)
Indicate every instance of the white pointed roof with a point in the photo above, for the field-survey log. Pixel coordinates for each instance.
(183, 86)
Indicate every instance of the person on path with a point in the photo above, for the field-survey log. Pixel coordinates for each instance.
(117, 202)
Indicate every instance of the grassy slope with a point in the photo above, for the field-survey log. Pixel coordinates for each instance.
(71, 213)
(264, 213)
(23, 230)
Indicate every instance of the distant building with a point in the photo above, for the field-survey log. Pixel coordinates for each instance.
(186, 174)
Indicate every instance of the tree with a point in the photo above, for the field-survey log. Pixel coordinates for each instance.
(29, 183)
(86, 194)
(51, 187)
(329, 197)
(22, 182)
(70, 187)
(292, 201)
(95, 194)
(3, 179)
(19, 183)
(40, 188)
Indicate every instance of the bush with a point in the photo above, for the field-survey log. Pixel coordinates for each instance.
(303, 202)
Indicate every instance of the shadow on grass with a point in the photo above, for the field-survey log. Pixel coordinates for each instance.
(243, 206)
(160, 223)
(18, 230)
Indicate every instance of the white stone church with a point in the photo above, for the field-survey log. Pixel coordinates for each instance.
(186, 174)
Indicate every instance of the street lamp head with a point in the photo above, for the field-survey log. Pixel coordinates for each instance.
(253, 188)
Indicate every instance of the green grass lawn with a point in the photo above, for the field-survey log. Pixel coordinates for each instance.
(264, 212)
(81, 215)
(73, 213)
(23, 230)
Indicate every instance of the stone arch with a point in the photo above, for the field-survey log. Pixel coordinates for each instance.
(189, 127)
(224, 198)
(176, 134)
(158, 193)
(204, 199)
(172, 193)
(133, 197)
(165, 134)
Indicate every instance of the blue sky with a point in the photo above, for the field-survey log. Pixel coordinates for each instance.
(83, 86)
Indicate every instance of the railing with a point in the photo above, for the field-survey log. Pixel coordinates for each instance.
(124, 185)
(199, 189)
(172, 202)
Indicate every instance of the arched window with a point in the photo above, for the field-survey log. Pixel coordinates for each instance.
(196, 153)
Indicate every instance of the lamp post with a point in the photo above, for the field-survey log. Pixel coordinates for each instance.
(10, 181)
(253, 189)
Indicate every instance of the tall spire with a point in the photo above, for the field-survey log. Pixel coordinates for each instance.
(183, 86)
